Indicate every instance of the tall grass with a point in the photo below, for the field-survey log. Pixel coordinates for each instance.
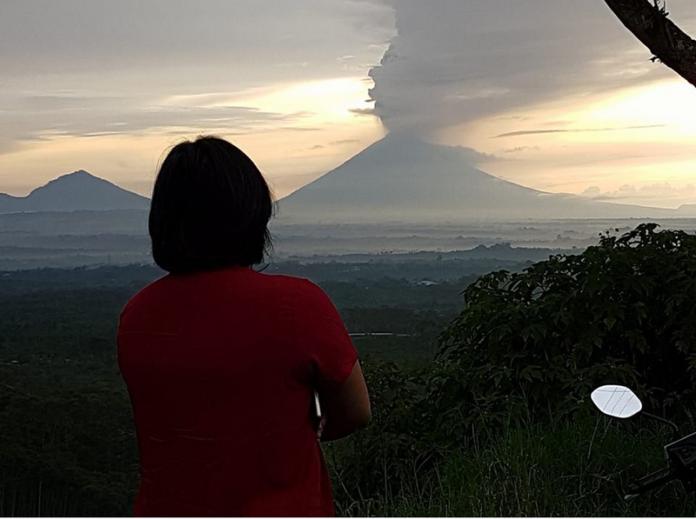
(574, 469)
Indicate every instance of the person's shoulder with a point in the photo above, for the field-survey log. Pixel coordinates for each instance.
(285, 281)
(142, 295)
(298, 286)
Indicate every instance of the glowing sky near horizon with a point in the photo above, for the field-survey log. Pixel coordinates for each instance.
(634, 145)
(109, 86)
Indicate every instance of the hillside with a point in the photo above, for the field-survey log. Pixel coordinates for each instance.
(77, 191)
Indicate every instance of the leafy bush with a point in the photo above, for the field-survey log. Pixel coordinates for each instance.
(526, 350)
(533, 344)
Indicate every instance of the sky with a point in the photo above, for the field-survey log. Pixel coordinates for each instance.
(553, 94)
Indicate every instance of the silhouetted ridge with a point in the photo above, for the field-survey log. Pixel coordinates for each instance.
(74, 191)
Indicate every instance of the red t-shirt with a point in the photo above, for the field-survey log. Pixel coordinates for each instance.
(220, 367)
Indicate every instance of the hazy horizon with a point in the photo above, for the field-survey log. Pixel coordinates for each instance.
(554, 96)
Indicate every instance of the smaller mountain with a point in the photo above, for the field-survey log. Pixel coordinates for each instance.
(76, 191)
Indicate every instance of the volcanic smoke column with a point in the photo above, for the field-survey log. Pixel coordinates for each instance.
(454, 61)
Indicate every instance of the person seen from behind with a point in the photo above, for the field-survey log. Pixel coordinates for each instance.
(222, 362)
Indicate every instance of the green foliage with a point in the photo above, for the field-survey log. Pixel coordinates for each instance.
(533, 344)
(383, 459)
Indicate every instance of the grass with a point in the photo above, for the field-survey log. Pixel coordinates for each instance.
(573, 469)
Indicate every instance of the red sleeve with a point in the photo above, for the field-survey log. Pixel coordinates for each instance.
(323, 337)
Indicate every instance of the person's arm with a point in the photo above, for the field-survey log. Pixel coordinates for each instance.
(346, 407)
(334, 369)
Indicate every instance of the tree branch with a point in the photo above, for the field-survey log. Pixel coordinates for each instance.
(649, 23)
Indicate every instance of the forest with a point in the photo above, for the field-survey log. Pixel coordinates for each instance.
(480, 408)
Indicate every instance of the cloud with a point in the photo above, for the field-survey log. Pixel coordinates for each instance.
(92, 68)
(592, 192)
(658, 191)
(475, 157)
(577, 130)
(455, 61)
(363, 111)
(520, 149)
(74, 36)
(36, 117)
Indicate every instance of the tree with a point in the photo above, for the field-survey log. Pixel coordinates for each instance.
(535, 343)
(649, 23)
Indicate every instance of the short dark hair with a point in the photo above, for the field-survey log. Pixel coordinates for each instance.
(210, 208)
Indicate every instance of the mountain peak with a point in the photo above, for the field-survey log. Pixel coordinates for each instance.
(76, 176)
(79, 190)
(79, 173)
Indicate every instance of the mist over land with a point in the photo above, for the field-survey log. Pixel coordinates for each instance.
(401, 198)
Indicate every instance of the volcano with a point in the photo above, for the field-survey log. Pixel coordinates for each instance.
(74, 191)
(405, 179)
